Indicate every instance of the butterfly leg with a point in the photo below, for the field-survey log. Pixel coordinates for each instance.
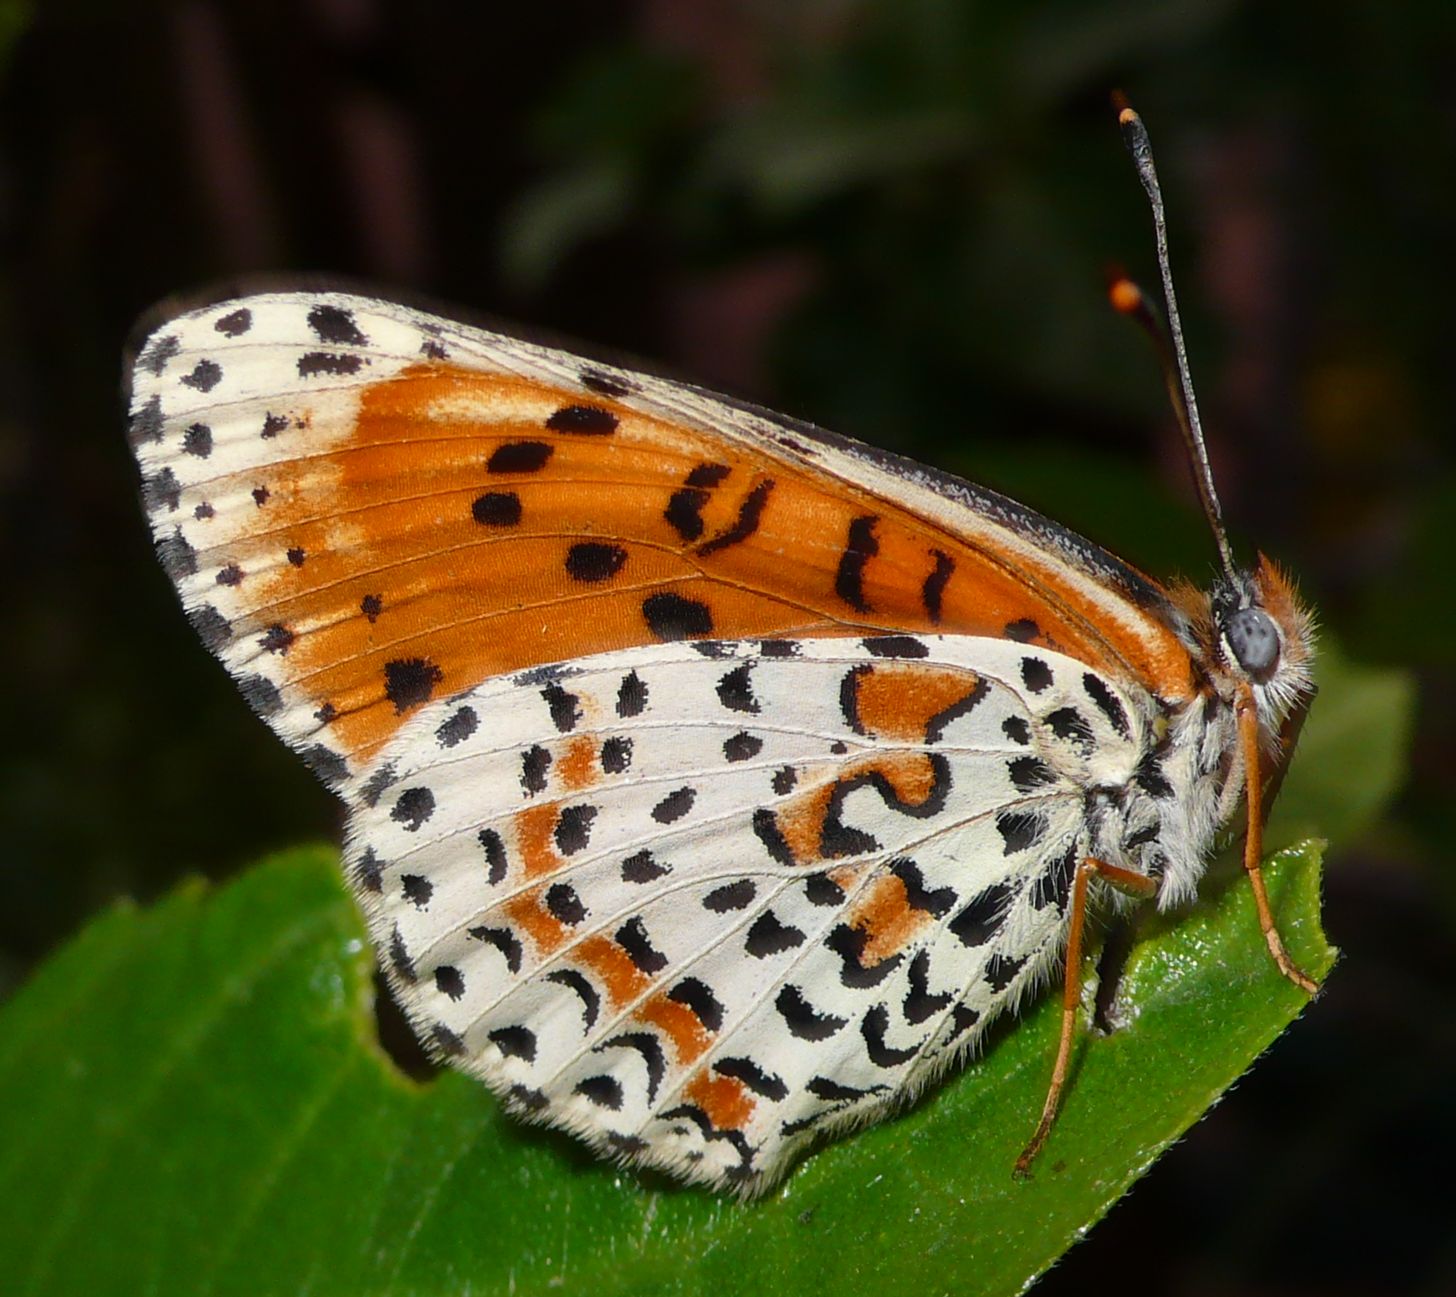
(1248, 718)
(1124, 880)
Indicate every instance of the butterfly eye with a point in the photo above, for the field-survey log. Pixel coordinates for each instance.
(1254, 639)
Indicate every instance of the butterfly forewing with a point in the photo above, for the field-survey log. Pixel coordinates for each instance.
(366, 508)
(699, 902)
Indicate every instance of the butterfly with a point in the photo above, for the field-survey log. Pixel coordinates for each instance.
(713, 781)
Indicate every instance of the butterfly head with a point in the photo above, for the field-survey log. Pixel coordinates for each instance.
(1263, 634)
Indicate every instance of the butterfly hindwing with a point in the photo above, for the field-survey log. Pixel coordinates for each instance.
(367, 508)
(699, 902)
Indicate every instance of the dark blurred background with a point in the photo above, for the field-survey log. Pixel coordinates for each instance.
(892, 217)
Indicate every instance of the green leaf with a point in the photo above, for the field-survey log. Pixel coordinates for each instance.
(192, 1101)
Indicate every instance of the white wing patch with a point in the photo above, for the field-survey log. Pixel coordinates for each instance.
(698, 903)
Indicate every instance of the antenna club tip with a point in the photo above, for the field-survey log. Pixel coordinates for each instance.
(1127, 114)
(1125, 296)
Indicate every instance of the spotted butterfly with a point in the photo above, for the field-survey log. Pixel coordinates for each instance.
(713, 781)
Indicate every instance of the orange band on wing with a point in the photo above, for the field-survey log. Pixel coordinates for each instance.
(469, 524)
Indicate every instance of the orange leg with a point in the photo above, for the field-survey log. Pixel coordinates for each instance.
(1248, 719)
(1127, 881)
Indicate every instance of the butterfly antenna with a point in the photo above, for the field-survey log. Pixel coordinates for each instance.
(1128, 298)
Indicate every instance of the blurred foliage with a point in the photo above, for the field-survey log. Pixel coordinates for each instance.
(891, 216)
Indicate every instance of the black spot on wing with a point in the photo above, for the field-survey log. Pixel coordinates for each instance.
(820, 889)
(672, 617)
(1107, 703)
(377, 785)
(707, 475)
(643, 867)
(591, 562)
(504, 940)
(860, 546)
(675, 805)
(631, 696)
(1016, 729)
(495, 855)
(197, 440)
(235, 323)
(449, 982)
(326, 764)
(205, 375)
(1001, 971)
(563, 904)
(730, 896)
(523, 1099)
(802, 1018)
(587, 420)
(983, 915)
(632, 937)
(409, 682)
(769, 936)
(413, 807)
(1030, 773)
(535, 762)
(1036, 675)
(336, 326)
(920, 1003)
(766, 829)
(1020, 830)
(602, 1091)
(605, 384)
(276, 639)
(750, 513)
(178, 558)
(895, 646)
(564, 706)
(515, 1041)
(932, 592)
(399, 956)
(457, 727)
(762, 1083)
(446, 1041)
(496, 509)
(157, 353)
(1023, 630)
(519, 457)
(369, 872)
(211, 626)
(146, 423)
(735, 690)
(616, 755)
(742, 746)
(573, 829)
(873, 1027)
(591, 1002)
(314, 363)
(699, 997)
(262, 695)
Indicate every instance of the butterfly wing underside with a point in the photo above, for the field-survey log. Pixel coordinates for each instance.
(699, 904)
(365, 507)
